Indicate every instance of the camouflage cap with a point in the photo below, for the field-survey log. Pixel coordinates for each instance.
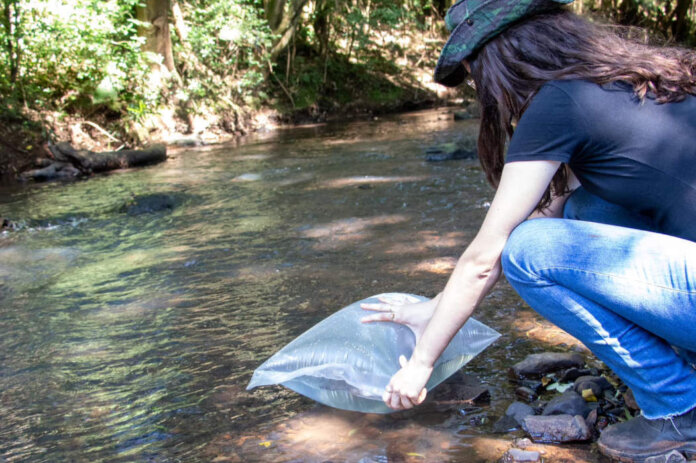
(472, 23)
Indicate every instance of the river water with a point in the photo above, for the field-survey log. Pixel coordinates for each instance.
(131, 337)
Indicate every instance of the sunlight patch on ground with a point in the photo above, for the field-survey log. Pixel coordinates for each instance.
(369, 180)
(427, 240)
(534, 327)
(438, 265)
(328, 434)
(343, 232)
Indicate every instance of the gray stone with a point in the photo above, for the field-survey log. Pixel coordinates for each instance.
(568, 403)
(671, 457)
(536, 365)
(519, 411)
(556, 428)
(517, 455)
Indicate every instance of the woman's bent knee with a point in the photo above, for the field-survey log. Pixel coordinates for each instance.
(524, 246)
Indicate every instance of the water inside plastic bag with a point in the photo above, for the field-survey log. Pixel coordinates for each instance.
(343, 363)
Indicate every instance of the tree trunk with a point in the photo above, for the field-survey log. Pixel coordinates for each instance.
(680, 27)
(274, 10)
(10, 20)
(155, 13)
(286, 25)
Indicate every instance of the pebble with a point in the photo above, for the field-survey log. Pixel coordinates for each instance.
(522, 443)
(568, 403)
(556, 428)
(536, 365)
(517, 455)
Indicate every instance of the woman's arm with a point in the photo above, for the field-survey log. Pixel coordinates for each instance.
(521, 187)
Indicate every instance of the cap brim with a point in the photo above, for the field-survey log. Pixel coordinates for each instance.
(450, 71)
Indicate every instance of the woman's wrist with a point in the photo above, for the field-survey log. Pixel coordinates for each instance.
(422, 361)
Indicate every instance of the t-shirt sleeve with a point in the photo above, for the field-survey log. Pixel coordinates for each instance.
(551, 129)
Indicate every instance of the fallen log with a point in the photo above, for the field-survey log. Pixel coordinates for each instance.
(71, 163)
(88, 161)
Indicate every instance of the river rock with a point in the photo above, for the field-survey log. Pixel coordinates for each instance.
(505, 424)
(536, 365)
(568, 403)
(630, 400)
(597, 384)
(147, 204)
(517, 455)
(556, 428)
(526, 393)
(671, 457)
(591, 418)
(519, 411)
(571, 374)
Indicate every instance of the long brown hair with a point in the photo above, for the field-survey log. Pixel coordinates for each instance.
(510, 69)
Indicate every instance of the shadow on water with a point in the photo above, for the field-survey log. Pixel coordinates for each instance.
(131, 337)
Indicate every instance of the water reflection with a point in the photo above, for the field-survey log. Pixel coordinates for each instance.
(131, 337)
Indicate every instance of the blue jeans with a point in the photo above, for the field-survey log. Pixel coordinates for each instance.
(627, 293)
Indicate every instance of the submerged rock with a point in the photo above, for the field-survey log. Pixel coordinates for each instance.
(460, 389)
(556, 428)
(437, 155)
(536, 365)
(671, 457)
(147, 204)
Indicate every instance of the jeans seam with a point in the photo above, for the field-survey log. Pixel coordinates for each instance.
(633, 280)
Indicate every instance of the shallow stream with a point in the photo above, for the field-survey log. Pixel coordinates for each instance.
(131, 337)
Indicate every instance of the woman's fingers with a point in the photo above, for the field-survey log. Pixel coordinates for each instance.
(385, 313)
(421, 396)
(376, 307)
(379, 317)
(406, 402)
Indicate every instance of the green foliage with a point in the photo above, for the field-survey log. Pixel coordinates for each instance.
(70, 53)
(230, 39)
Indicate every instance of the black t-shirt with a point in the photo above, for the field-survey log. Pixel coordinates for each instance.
(641, 155)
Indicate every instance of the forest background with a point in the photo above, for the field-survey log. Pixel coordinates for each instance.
(102, 74)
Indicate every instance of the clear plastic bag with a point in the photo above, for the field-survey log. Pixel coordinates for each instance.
(343, 363)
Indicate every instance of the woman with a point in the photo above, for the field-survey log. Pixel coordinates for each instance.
(602, 132)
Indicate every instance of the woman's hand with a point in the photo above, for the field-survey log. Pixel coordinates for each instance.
(403, 309)
(407, 387)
